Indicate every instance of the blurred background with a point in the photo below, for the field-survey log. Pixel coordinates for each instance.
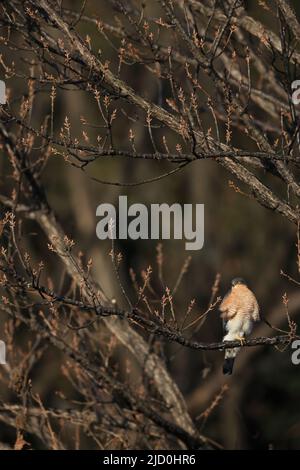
(260, 409)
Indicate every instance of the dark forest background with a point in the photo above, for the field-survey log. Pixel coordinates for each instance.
(256, 408)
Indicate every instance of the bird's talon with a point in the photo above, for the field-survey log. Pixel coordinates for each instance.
(241, 339)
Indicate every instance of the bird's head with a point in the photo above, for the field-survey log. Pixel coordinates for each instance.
(238, 280)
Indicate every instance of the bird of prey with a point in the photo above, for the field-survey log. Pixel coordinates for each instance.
(239, 310)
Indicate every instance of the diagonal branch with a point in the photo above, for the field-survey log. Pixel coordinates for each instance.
(263, 194)
(130, 339)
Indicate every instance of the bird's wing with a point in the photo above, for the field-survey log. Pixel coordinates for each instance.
(255, 311)
(224, 326)
(228, 307)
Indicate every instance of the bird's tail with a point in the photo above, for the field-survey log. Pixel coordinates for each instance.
(228, 365)
(230, 355)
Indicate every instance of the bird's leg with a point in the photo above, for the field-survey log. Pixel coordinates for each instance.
(241, 339)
